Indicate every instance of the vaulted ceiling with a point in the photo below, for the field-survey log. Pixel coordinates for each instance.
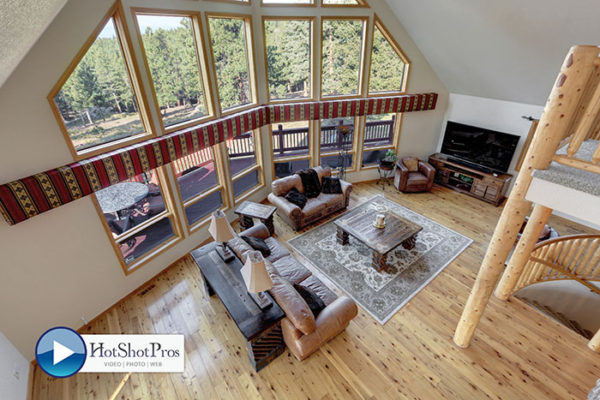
(21, 24)
(509, 50)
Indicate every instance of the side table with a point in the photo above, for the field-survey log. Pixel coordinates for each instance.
(385, 173)
(249, 209)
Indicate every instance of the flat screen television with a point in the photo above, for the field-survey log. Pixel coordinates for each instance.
(482, 147)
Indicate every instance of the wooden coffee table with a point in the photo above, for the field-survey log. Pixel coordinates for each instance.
(249, 209)
(398, 231)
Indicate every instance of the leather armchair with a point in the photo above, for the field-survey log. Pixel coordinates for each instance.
(409, 181)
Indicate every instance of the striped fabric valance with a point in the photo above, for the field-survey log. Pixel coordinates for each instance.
(27, 197)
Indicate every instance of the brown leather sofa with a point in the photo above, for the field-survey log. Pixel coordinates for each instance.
(302, 332)
(413, 175)
(315, 208)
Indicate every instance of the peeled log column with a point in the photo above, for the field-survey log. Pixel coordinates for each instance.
(561, 107)
(594, 343)
(523, 250)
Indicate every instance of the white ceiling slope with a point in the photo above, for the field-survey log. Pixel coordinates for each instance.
(509, 50)
(22, 22)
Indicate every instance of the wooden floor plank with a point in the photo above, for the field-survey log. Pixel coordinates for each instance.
(517, 353)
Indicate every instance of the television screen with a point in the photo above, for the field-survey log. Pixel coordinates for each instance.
(481, 146)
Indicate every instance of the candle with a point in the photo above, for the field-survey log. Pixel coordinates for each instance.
(380, 219)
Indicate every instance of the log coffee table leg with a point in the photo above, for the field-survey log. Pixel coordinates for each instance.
(246, 222)
(269, 224)
(410, 243)
(379, 261)
(342, 236)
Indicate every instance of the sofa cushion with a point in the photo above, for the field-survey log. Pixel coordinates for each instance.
(277, 249)
(314, 302)
(314, 284)
(315, 206)
(412, 163)
(280, 187)
(257, 244)
(239, 247)
(293, 305)
(295, 197)
(291, 269)
(416, 178)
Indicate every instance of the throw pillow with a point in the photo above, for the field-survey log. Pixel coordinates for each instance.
(314, 302)
(411, 163)
(331, 185)
(257, 244)
(295, 197)
(310, 182)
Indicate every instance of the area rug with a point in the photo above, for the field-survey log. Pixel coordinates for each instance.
(381, 294)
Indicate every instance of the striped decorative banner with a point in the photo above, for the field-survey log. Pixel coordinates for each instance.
(27, 197)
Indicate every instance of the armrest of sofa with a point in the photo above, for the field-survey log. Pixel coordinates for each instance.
(330, 322)
(285, 206)
(429, 171)
(258, 230)
(400, 176)
(346, 189)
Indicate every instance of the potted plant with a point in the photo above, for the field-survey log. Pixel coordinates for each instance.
(388, 161)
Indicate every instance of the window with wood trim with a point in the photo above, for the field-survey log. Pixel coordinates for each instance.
(138, 216)
(200, 184)
(342, 56)
(290, 144)
(379, 136)
(288, 56)
(288, 2)
(245, 167)
(96, 100)
(336, 142)
(389, 66)
(174, 60)
(233, 60)
(344, 3)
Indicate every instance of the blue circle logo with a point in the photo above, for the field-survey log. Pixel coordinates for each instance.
(60, 352)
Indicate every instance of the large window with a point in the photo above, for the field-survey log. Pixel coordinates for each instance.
(243, 153)
(341, 56)
(174, 64)
(232, 57)
(356, 3)
(95, 101)
(336, 142)
(200, 185)
(288, 2)
(290, 143)
(389, 66)
(288, 58)
(379, 135)
(137, 215)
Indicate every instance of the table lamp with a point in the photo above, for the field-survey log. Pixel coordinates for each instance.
(257, 278)
(221, 232)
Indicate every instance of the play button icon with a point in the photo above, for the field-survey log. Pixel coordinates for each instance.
(60, 352)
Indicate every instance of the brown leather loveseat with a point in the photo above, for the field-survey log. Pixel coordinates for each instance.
(315, 208)
(302, 332)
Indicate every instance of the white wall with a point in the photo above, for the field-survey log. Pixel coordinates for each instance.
(14, 371)
(60, 266)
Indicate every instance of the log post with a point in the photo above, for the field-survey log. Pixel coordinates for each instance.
(594, 343)
(523, 250)
(561, 108)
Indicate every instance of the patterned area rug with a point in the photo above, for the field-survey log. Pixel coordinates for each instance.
(381, 294)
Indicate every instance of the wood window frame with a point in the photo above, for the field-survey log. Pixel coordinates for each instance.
(238, 2)
(250, 60)
(220, 186)
(201, 58)
(313, 39)
(258, 166)
(311, 153)
(363, 53)
(353, 151)
(395, 142)
(117, 14)
(361, 4)
(377, 24)
(313, 3)
(170, 213)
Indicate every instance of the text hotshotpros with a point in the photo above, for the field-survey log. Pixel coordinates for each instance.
(126, 350)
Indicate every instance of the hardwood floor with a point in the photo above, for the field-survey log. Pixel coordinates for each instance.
(517, 353)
